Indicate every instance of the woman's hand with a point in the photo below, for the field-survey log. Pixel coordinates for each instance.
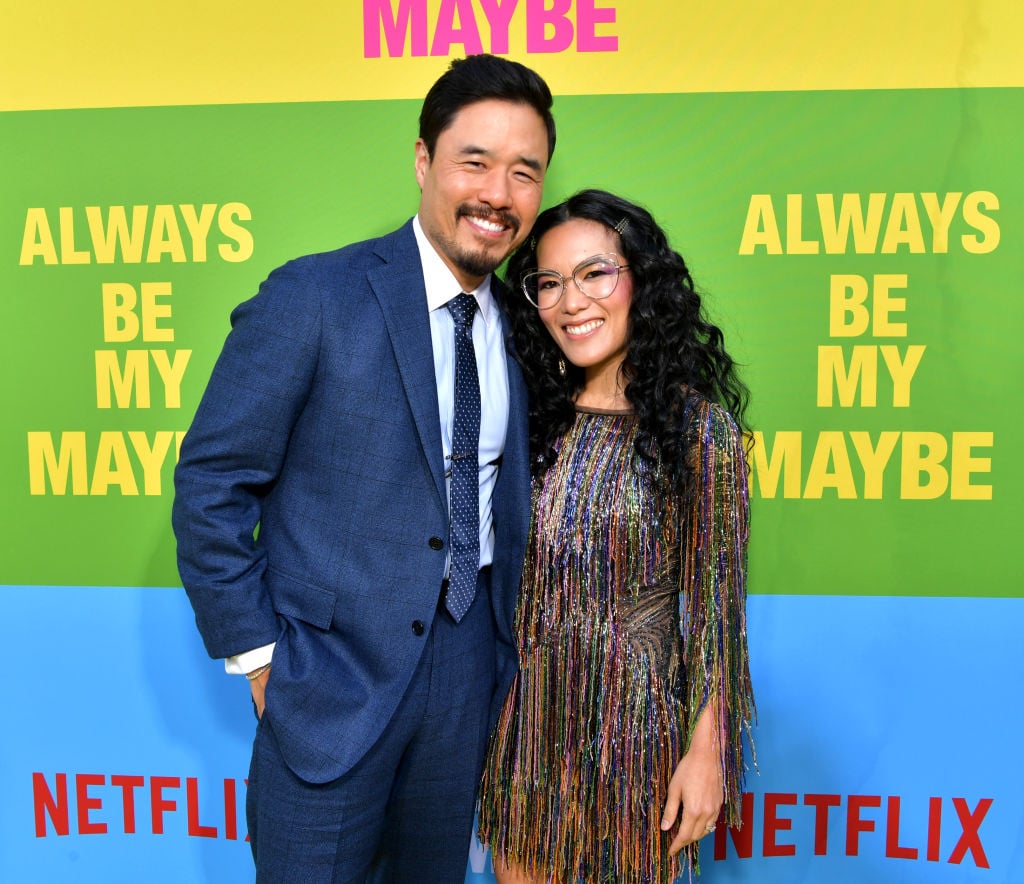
(696, 786)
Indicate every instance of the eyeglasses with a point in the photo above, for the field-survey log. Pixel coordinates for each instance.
(596, 277)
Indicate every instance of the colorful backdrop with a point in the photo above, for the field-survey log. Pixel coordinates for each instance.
(846, 185)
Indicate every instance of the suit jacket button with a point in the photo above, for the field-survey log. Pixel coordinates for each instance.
(436, 543)
(417, 627)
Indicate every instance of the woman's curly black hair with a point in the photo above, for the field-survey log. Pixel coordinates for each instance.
(673, 353)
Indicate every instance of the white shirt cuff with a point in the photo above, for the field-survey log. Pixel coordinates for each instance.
(240, 664)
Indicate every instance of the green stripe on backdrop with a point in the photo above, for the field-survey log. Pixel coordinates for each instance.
(912, 498)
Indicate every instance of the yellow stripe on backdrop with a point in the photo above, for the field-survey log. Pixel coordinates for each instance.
(69, 54)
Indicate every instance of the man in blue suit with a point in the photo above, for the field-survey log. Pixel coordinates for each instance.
(312, 507)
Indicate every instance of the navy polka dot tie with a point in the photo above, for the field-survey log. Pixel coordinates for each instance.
(465, 502)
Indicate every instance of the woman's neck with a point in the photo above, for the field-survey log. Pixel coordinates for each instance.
(605, 390)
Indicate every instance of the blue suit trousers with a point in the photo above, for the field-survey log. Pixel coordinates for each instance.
(404, 812)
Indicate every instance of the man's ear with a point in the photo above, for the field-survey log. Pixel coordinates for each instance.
(422, 161)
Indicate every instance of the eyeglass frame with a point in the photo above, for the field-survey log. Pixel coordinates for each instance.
(565, 281)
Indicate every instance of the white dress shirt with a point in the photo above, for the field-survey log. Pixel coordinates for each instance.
(489, 347)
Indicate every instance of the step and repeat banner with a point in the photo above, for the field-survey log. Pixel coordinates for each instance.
(846, 186)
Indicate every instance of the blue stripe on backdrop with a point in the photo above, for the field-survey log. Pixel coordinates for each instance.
(887, 743)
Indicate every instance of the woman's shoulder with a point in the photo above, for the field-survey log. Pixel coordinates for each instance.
(712, 439)
(705, 418)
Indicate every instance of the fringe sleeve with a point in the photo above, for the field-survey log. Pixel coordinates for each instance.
(712, 600)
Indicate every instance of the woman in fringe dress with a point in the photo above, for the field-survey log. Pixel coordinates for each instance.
(622, 737)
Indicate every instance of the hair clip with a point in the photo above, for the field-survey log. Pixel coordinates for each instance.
(620, 228)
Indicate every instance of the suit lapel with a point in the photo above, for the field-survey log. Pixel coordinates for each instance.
(398, 286)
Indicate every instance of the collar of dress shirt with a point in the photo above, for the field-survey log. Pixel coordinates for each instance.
(441, 283)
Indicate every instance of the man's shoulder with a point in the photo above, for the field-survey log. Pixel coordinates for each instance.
(364, 254)
(308, 283)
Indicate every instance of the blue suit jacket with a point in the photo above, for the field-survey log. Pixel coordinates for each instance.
(320, 426)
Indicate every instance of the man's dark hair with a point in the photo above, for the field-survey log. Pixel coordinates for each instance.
(479, 78)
